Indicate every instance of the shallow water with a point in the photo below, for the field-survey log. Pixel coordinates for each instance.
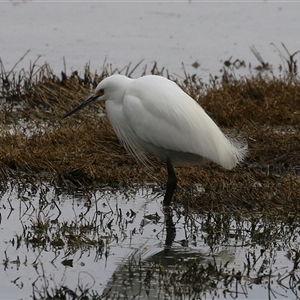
(124, 244)
(170, 33)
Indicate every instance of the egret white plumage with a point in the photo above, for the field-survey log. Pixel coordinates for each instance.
(153, 114)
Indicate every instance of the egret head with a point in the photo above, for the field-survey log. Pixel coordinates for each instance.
(109, 89)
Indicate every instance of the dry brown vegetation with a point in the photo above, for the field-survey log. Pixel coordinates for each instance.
(38, 144)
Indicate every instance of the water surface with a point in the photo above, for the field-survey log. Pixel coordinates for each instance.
(171, 33)
(124, 244)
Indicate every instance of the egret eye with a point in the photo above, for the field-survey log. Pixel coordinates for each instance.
(100, 93)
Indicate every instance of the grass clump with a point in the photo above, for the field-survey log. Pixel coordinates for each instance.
(84, 150)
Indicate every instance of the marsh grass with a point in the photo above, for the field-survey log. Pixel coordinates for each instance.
(84, 151)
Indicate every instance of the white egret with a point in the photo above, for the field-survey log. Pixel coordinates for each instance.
(153, 114)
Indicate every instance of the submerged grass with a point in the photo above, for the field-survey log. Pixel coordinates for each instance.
(84, 150)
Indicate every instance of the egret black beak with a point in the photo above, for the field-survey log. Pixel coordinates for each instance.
(82, 105)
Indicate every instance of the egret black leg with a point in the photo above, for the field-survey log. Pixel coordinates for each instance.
(171, 230)
(171, 183)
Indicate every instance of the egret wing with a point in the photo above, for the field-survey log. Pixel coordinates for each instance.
(161, 114)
